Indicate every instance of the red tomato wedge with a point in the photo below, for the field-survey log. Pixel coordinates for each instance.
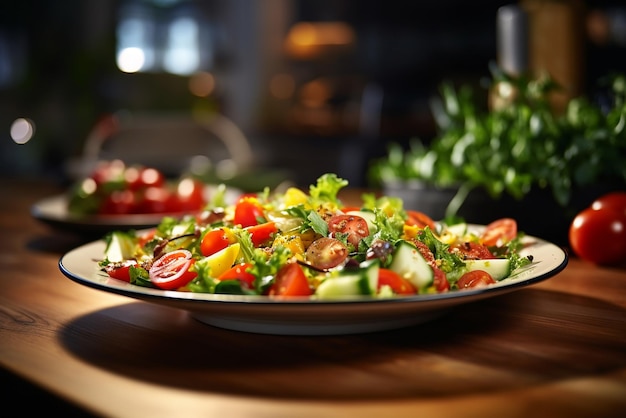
(239, 272)
(248, 212)
(171, 270)
(215, 240)
(397, 283)
(261, 233)
(499, 232)
(120, 271)
(419, 219)
(290, 281)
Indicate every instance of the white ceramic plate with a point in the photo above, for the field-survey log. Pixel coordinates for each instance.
(296, 316)
(53, 211)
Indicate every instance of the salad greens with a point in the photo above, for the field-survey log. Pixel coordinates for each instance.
(311, 244)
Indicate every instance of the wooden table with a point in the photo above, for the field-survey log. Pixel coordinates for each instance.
(557, 349)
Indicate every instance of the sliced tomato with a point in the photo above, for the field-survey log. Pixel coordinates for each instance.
(248, 212)
(472, 250)
(475, 278)
(440, 281)
(171, 271)
(290, 281)
(239, 272)
(499, 232)
(261, 233)
(354, 226)
(397, 283)
(120, 271)
(419, 219)
(216, 240)
(347, 209)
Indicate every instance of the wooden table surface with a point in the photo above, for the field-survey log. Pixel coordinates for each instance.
(555, 349)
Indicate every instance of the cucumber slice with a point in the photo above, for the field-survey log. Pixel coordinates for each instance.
(409, 263)
(498, 268)
(362, 281)
(459, 229)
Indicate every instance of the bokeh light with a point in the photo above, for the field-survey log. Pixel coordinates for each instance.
(22, 130)
(131, 60)
(202, 84)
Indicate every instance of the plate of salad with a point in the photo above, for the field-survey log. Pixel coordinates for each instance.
(303, 263)
(117, 195)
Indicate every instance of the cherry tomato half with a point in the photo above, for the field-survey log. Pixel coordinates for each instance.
(472, 250)
(171, 271)
(499, 232)
(475, 278)
(290, 281)
(599, 236)
(120, 271)
(326, 253)
(353, 225)
(397, 283)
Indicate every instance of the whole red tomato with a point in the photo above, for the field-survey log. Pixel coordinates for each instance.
(615, 200)
(599, 235)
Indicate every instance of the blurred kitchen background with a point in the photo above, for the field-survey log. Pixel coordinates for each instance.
(314, 85)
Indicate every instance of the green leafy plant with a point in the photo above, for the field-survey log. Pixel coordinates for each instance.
(517, 147)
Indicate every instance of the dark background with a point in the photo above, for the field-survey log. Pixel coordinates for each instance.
(57, 68)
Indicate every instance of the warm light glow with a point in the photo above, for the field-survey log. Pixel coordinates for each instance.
(282, 86)
(22, 130)
(202, 84)
(315, 93)
(307, 39)
(130, 60)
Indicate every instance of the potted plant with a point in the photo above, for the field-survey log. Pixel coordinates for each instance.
(520, 159)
